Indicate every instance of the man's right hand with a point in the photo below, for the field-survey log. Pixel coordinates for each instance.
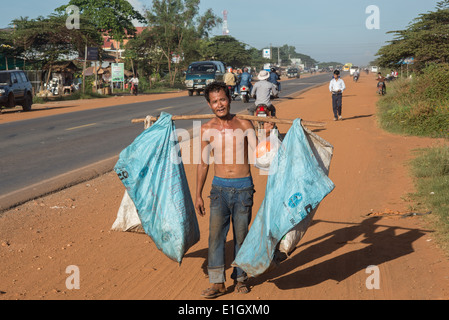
(269, 125)
(199, 206)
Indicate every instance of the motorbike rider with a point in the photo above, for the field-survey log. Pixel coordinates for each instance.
(245, 79)
(134, 85)
(356, 75)
(231, 80)
(274, 79)
(262, 91)
(381, 81)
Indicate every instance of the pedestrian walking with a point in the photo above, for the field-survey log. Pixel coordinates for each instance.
(231, 196)
(336, 87)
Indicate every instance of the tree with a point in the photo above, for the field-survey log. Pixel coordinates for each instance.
(8, 49)
(227, 49)
(176, 25)
(143, 54)
(256, 58)
(426, 39)
(44, 41)
(114, 17)
(47, 39)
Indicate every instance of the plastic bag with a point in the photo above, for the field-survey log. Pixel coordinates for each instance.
(266, 151)
(322, 151)
(295, 187)
(156, 182)
(127, 217)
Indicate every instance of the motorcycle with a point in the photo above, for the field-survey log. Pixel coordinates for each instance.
(261, 111)
(233, 92)
(272, 96)
(244, 94)
(356, 77)
(134, 89)
(381, 88)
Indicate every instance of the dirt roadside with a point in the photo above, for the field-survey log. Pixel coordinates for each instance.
(60, 107)
(41, 238)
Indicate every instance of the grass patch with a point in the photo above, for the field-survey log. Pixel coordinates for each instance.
(420, 107)
(431, 174)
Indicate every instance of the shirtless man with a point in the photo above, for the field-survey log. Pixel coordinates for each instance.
(231, 140)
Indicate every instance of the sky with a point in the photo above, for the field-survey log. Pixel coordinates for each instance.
(327, 30)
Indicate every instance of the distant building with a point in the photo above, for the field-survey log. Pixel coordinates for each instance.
(115, 48)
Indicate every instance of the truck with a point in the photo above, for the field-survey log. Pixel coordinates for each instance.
(201, 73)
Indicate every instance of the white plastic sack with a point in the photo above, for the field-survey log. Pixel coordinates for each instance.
(264, 160)
(127, 217)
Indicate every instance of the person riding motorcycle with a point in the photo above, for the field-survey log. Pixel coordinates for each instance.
(231, 80)
(274, 79)
(262, 91)
(134, 85)
(356, 75)
(245, 79)
(381, 82)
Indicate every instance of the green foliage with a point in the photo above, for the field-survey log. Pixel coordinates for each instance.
(227, 49)
(426, 39)
(45, 40)
(177, 27)
(419, 106)
(112, 16)
(433, 83)
(142, 54)
(431, 172)
(256, 58)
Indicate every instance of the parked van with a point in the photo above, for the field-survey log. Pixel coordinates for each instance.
(201, 73)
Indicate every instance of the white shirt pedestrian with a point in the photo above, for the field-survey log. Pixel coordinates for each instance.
(337, 85)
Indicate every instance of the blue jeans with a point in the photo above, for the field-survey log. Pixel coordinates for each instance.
(226, 204)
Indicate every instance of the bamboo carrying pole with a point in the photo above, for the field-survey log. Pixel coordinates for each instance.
(240, 116)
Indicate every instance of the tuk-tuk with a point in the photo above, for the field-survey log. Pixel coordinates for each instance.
(201, 73)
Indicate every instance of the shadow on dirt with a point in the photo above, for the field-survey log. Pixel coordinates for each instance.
(358, 117)
(379, 247)
(381, 244)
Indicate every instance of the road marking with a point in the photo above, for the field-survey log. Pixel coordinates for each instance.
(166, 108)
(83, 126)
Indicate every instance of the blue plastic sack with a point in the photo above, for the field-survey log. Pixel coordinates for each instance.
(295, 187)
(153, 174)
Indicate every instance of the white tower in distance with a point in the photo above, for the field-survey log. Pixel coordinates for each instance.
(225, 23)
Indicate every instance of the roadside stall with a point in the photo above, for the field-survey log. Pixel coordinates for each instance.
(60, 77)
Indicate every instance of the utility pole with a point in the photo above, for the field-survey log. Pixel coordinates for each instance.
(279, 59)
(84, 69)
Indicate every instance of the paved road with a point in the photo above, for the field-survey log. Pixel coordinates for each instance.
(38, 150)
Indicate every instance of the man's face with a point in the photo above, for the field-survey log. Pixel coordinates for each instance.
(335, 76)
(219, 103)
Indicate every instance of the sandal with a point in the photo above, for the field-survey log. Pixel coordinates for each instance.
(241, 287)
(211, 293)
